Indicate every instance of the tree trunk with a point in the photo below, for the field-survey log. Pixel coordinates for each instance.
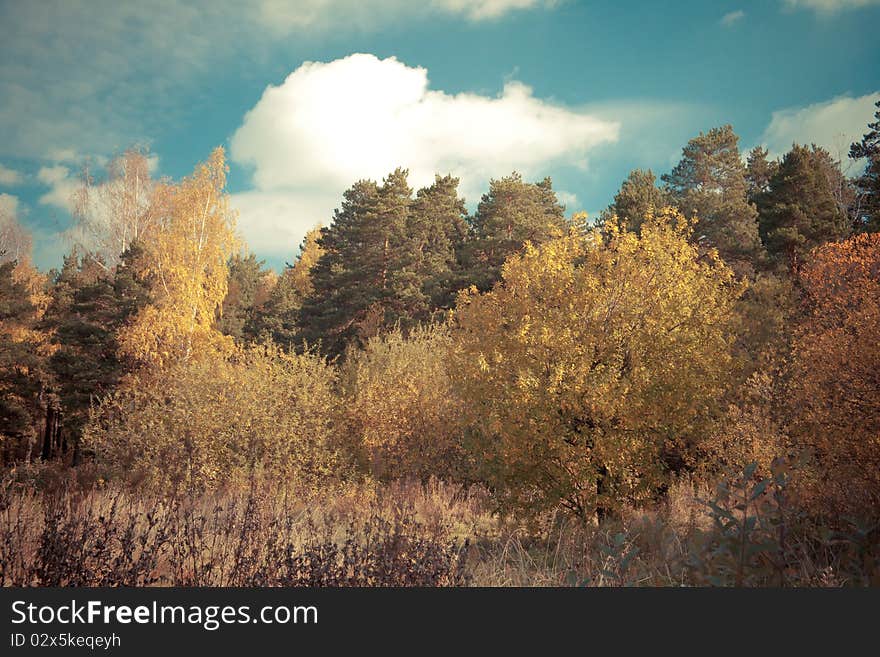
(48, 433)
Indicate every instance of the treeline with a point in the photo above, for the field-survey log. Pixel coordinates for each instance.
(726, 314)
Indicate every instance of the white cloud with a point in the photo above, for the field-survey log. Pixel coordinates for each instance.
(92, 76)
(61, 186)
(285, 17)
(569, 200)
(8, 205)
(9, 176)
(732, 18)
(830, 6)
(330, 124)
(832, 124)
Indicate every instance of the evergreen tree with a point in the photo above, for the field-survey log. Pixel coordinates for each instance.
(23, 375)
(759, 171)
(364, 278)
(278, 318)
(867, 206)
(512, 213)
(799, 211)
(437, 224)
(638, 194)
(89, 306)
(709, 184)
(245, 292)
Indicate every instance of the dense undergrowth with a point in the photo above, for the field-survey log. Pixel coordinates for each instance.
(410, 534)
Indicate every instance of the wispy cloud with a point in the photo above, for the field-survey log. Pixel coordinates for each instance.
(65, 63)
(332, 123)
(732, 18)
(830, 6)
(832, 124)
(9, 176)
(8, 205)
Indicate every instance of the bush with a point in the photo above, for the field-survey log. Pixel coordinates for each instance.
(401, 407)
(204, 422)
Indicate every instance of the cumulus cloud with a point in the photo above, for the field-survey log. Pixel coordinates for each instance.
(9, 176)
(832, 124)
(732, 18)
(330, 124)
(830, 6)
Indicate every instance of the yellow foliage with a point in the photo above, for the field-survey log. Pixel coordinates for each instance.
(593, 359)
(401, 406)
(210, 421)
(185, 257)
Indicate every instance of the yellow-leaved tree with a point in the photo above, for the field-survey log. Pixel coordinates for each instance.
(595, 364)
(185, 257)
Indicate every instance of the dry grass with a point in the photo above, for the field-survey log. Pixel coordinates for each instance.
(406, 534)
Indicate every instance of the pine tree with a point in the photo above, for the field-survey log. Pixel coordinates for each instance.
(637, 196)
(437, 225)
(709, 184)
(799, 211)
(23, 375)
(759, 171)
(245, 292)
(364, 279)
(278, 318)
(89, 306)
(867, 210)
(512, 213)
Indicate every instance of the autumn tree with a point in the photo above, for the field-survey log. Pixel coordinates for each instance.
(709, 185)
(799, 211)
(112, 213)
(594, 366)
(867, 210)
(15, 240)
(185, 257)
(638, 196)
(835, 376)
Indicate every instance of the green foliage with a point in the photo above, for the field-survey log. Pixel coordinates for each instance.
(23, 372)
(245, 293)
(638, 197)
(88, 307)
(277, 318)
(759, 171)
(709, 185)
(512, 213)
(867, 205)
(799, 211)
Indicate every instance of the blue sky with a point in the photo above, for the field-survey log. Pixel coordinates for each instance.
(582, 91)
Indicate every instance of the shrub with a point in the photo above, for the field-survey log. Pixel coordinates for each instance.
(401, 407)
(209, 421)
